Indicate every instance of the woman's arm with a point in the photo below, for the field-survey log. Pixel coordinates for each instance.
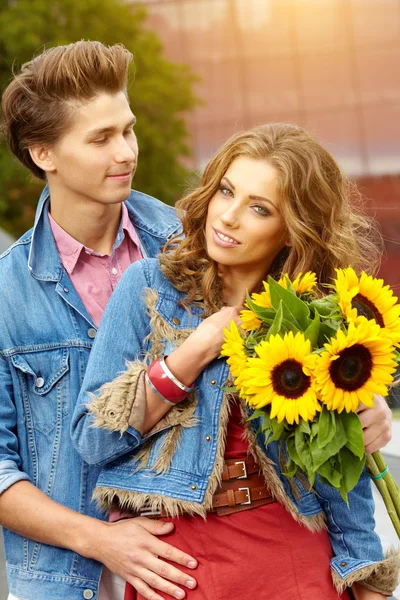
(190, 359)
(358, 557)
(362, 593)
(126, 408)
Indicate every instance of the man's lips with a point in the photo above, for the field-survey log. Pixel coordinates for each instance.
(116, 175)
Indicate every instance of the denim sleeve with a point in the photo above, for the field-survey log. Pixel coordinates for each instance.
(357, 549)
(10, 460)
(119, 340)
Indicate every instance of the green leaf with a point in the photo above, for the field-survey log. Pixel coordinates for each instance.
(291, 469)
(277, 429)
(261, 312)
(324, 306)
(230, 389)
(266, 423)
(352, 468)
(304, 426)
(256, 414)
(294, 309)
(277, 322)
(327, 331)
(326, 427)
(330, 473)
(289, 326)
(302, 443)
(354, 433)
(312, 331)
(321, 455)
(293, 454)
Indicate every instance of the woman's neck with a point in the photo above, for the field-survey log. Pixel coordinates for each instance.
(236, 283)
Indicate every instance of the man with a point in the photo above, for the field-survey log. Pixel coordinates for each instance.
(67, 119)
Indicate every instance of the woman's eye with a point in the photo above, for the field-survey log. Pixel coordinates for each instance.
(100, 141)
(261, 210)
(225, 191)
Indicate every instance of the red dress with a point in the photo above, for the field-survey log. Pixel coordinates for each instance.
(258, 554)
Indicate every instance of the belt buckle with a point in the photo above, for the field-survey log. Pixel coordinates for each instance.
(247, 490)
(149, 513)
(244, 476)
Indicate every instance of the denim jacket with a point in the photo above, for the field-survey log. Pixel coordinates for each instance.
(176, 466)
(46, 335)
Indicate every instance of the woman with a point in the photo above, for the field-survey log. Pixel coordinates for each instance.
(172, 441)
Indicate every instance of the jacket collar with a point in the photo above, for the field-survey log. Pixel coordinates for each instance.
(145, 213)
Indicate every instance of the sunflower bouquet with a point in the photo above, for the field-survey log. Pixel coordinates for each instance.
(304, 363)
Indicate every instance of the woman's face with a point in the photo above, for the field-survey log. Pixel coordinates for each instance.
(245, 228)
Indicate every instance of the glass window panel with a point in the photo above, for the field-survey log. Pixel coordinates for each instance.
(271, 84)
(320, 25)
(379, 74)
(339, 132)
(163, 19)
(220, 90)
(326, 81)
(375, 21)
(382, 131)
(267, 30)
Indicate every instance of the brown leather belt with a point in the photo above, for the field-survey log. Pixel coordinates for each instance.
(242, 488)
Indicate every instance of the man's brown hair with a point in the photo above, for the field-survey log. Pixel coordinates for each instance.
(37, 104)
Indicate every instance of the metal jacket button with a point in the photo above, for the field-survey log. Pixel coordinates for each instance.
(343, 564)
(213, 382)
(208, 438)
(39, 382)
(193, 487)
(88, 594)
(91, 332)
(176, 321)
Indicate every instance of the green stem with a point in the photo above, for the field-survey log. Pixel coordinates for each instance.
(391, 483)
(387, 487)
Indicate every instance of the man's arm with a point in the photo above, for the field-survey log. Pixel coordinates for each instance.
(377, 424)
(128, 547)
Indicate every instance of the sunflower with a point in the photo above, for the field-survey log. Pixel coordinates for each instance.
(304, 283)
(281, 375)
(247, 317)
(365, 297)
(356, 365)
(234, 349)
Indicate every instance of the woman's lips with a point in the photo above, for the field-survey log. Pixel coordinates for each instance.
(224, 240)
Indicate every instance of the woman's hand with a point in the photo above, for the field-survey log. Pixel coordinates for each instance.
(362, 593)
(202, 346)
(376, 423)
(189, 360)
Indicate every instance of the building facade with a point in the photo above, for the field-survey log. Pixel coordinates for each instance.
(329, 65)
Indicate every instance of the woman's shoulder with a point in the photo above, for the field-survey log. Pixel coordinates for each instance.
(148, 271)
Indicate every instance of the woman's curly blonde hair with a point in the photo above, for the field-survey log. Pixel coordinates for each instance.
(320, 206)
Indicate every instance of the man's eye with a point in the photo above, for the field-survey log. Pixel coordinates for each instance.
(100, 141)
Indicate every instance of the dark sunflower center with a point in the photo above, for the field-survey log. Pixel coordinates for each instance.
(352, 369)
(288, 380)
(366, 308)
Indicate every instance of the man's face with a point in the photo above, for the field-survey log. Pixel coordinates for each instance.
(96, 159)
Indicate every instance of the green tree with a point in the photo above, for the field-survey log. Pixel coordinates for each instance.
(160, 92)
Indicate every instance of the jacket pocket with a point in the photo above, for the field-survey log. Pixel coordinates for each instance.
(43, 379)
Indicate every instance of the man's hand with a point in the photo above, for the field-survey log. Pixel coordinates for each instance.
(377, 424)
(130, 549)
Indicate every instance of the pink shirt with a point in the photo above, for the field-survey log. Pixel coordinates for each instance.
(94, 275)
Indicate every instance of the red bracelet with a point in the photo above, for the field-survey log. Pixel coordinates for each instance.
(165, 384)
